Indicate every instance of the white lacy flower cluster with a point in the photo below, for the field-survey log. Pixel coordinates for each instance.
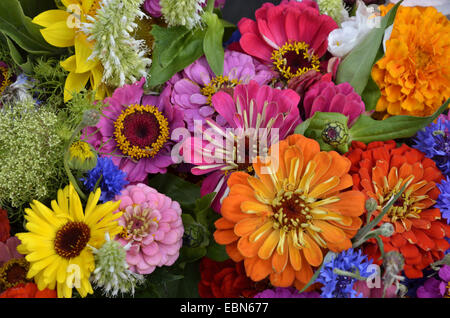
(122, 56)
(353, 30)
(111, 269)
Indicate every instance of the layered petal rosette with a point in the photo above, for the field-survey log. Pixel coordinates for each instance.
(135, 131)
(256, 116)
(292, 36)
(153, 229)
(380, 170)
(298, 206)
(193, 90)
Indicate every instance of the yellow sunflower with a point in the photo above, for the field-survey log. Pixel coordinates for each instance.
(57, 245)
(62, 29)
(414, 74)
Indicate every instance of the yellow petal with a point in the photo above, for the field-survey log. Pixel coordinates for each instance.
(59, 34)
(69, 64)
(96, 76)
(269, 245)
(50, 17)
(83, 50)
(74, 83)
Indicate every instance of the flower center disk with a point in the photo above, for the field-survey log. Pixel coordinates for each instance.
(14, 272)
(292, 212)
(294, 59)
(71, 239)
(141, 131)
(219, 83)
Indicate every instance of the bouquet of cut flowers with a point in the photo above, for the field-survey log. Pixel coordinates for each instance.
(153, 149)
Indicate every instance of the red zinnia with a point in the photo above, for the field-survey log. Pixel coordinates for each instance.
(292, 36)
(4, 226)
(225, 280)
(380, 170)
(28, 290)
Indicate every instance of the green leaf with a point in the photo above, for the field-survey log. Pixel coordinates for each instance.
(203, 209)
(367, 129)
(356, 67)
(177, 189)
(169, 57)
(188, 286)
(371, 94)
(26, 66)
(212, 44)
(301, 129)
(20, 29)
(32, 8)
(217, 252)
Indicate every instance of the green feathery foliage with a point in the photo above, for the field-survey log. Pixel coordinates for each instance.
(185, 13)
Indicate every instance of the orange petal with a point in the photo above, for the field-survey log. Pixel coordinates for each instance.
(225, 236)
(312, 252)
(233, 252)
(254, 207)
(351, 203)
(260, 188)
(345, 182)
(248, 225)
(223, 224)
(247, 248)
(305, 273)
(279, 261)
(323, 163)
(238, 177)
(324, 187)
(284, 279)
(258, 269)
(269, 245)
(242, 189)
(231, 208)
(329, 232)
(294, 255)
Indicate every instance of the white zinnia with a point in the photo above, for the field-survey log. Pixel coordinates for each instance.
(352, 31)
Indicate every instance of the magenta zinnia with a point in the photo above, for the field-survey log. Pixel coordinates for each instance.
(292, 37)
(135, 131)
(256, 117)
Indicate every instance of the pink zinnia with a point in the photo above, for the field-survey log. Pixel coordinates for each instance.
(326, 96)
(252, 107)
(193, 90)
(292, 36)
(153, 229)
(135, 131)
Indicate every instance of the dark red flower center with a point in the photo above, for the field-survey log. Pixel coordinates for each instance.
(71, 239)
(13, 273)
(294, 59)
(141, 129)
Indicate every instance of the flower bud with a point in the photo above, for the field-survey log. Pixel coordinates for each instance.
(335, 134)
(386, 229)
(90, 117)
(371, 205)
(82, 156)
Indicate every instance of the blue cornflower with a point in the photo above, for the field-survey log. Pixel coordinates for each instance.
(443, 201)
(434, 142)
(339, 286)
(112, 179)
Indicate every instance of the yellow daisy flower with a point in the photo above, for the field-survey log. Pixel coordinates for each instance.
(62, 29)
(58, 244)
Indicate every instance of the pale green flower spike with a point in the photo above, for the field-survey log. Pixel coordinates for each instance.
(111, 272)
(185, 13)
(333, 8)
(112, 28)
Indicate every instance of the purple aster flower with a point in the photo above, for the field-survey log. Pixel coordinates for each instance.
(256, 117)
(436, 287)
(193, 90)
(340, 286)
(443, 201)
(290, 292)
(434, 141)
(135, 131)
(111, 179)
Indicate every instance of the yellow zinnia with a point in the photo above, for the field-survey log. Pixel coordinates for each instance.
(62, 29)
(414, 74)
(58, 244)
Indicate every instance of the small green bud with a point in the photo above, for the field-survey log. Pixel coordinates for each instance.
(335, 134)
(371, 205)
(386, 229)
(82, 156)
(91, 117)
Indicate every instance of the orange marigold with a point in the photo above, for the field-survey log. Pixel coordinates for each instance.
(414, 74)
(282, 221)
(380, 170)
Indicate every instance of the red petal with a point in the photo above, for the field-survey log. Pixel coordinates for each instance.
(397, 240)
(412, 272)
(421, 223)
(410, 251)
(436, 231)
(423, 241)
(410, 237)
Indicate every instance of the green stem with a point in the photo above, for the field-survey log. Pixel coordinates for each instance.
(349, 274)
(98, 183)
(210, 6)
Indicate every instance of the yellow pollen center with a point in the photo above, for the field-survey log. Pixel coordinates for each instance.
(94, 7)
(292, 211)
(294, 59)
(218, 83)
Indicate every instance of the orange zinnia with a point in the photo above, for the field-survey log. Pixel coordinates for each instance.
(414, 74)
(380, 171)
(282, 221)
